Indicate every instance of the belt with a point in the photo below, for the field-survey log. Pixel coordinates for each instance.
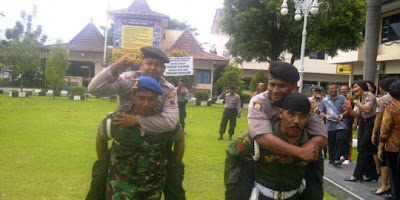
(279, 194)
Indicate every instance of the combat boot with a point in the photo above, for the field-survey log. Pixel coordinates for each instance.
(220, 137)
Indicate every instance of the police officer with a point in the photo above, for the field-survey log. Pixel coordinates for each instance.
(260, 88)
(110, 82)
(182, 91)
(316, 100)
(137, 161)
(263, 109)
(232, 110)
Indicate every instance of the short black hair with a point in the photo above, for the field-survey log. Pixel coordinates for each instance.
(331, 83)
(372, 84)
(183, 81)
(385, 83)
(394, 89)
(360, 83)
(232, 87)
(347, 86)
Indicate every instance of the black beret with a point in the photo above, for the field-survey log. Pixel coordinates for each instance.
(153, 52)
(297, 102)
(284, 71)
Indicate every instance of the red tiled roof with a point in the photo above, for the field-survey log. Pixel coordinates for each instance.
(188, 43)
(138, 8)
(89, 39)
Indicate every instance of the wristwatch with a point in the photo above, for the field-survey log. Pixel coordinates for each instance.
(355, 101)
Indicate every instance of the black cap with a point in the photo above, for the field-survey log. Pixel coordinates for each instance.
(297, 102)
(283, 71)
(153, 52)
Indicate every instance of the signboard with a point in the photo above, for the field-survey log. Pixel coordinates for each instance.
(118, 53)
(179, 66)
(132, 34)
(343, 69)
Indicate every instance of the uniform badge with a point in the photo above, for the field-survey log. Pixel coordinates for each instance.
(171, 97)
(269, 159)
(257, 105)
(135, 84)
(303, 163)
(242, 144)
(379, 102)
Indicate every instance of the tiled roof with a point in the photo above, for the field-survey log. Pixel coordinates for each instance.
(188, 43)
(138, 8)
(89, 39)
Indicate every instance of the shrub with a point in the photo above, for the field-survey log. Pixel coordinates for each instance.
(245, 98)
(202, 95)
(76, 90)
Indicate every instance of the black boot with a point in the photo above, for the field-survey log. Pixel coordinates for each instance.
(220, 137)
(230, 137)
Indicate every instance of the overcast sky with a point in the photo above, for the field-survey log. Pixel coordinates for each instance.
(65, 18)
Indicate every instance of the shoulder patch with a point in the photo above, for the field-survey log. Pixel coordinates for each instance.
(257, 105)
(171, 97)
(379, 102)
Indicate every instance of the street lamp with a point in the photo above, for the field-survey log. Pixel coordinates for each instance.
(302, 7)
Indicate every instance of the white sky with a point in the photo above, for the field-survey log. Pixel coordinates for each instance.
(65, 18)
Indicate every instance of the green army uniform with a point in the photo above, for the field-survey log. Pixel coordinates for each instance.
(137, 165)
(241, 171)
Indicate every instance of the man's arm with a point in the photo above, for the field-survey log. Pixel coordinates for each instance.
(105, 83)
(377, 125)
(179, 146)
(101, 143)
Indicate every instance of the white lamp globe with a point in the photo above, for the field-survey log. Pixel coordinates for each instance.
(297, 17)
(284, 11)
(314, 10)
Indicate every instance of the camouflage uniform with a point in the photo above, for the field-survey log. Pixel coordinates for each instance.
(138, 162)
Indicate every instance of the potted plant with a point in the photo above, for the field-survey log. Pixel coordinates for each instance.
(202, 97)
(76, 92)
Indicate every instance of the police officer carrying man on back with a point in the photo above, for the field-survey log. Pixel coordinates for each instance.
(110, 82)
(263, 110)
(232, 110)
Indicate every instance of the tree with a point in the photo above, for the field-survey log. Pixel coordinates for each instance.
(21, 51)
(371, 38)
(258, 31)
(231, 77)
(56, 66)
(175, 24)
(260, 77)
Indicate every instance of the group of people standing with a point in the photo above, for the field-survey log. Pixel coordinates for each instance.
(378, 137)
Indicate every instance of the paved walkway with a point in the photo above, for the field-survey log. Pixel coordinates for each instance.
(344, 190)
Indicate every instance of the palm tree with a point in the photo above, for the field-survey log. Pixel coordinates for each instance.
(372, 27)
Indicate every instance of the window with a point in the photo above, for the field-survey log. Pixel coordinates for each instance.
(391, 28)
(203, 76)
(320, 55)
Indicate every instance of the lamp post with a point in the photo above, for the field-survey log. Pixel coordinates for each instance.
(303, 7)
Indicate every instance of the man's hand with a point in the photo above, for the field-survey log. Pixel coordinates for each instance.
(309, 152)
(340, 117)
(380, 155)
(327, 116)
(393, 107)
(122, 64)
(373, 137)
(347, 108)
(238, 115)
(350, 97)
(354, 127)
(126, 120)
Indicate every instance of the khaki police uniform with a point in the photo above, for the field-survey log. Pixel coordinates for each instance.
(165, 119)
(365, 163)
(182, 105)
(262, 111)
(232, 109)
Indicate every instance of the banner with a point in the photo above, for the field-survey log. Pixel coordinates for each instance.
(118, 53)
(179, 66)
(133, 34)
(343, 69)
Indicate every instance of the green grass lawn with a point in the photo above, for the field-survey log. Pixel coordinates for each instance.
(47, 148)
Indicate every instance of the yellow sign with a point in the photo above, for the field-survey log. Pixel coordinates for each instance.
(135, 37)
(343, 69)
(118, 53)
